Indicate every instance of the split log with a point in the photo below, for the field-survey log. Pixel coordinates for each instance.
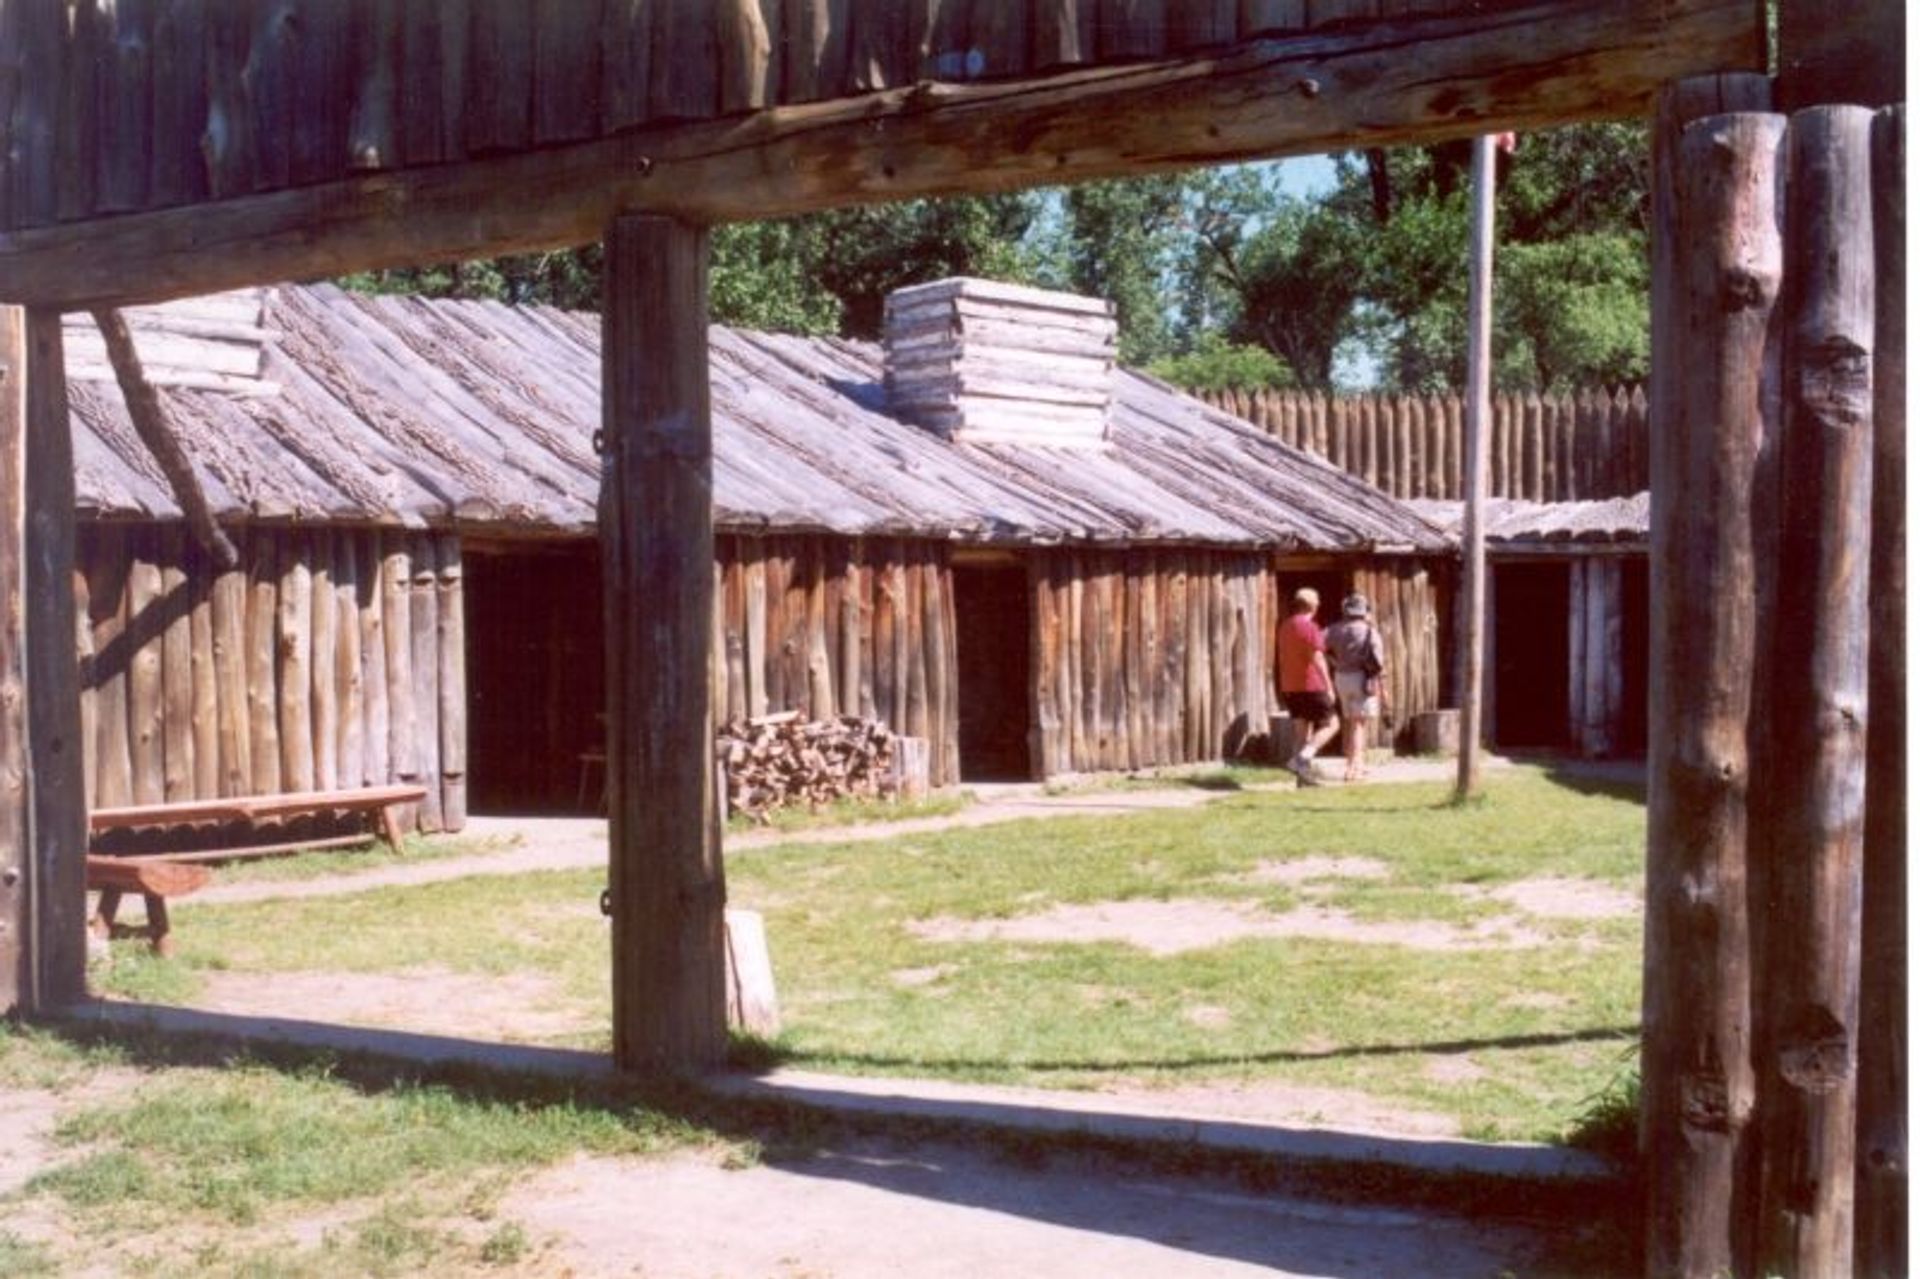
(452, 681)
(424, 607)
(293, 649)
(322, 617)
(786, 760)
(146, 711)
(176, 670)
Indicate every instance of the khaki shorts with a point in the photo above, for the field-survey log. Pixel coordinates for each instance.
(1355, 701)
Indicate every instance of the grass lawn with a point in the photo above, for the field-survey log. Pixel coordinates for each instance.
(887, 959)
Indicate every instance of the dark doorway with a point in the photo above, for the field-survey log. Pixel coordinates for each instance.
(1530, 655)
(535, 678)
(1330, 584)
(993, 641)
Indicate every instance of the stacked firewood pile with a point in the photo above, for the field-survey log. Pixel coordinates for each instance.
(778, 761)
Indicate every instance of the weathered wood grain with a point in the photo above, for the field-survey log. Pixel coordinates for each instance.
(1880, 1185)
(17, 953)
(1581, 61)
(668, 887)
(450, 591)
(423, 606)
(56, 969)
(1818, 689)
(1718, 201)
(175, 607)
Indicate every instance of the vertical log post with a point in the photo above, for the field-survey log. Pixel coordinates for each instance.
(1473, 539)
(1717, 268)
(1880, 1234)
(1811, 961)
(43, 815)
(656, 536)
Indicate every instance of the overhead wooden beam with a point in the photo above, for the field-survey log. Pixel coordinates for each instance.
(668, 888)
(1412, 79)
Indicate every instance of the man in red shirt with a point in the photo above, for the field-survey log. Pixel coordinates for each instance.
(1306, 686)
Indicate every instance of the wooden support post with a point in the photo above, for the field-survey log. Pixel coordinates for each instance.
(1880, 1188)
(43, 815)
(1817, 723)
(1717, 277)
(1473, 538)
(656, 536)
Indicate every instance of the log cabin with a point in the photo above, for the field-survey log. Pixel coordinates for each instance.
(1568, 617)
(980, 532)
(165, 151)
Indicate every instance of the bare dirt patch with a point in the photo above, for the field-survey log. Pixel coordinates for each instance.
(1569, 899)
(1454, 1069)
(508, 1008)
(1183, 924)
(922, 976)
(1309, 870)
(1209, 1016)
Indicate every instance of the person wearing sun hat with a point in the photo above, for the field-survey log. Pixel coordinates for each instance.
(1358, 658)
(1306, 685)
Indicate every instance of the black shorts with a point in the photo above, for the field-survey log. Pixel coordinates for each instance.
(1315, 708)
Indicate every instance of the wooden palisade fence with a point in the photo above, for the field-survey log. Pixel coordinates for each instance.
(1592, 444)
(1758, 1071)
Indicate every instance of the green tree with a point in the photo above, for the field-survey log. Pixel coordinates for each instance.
(1570, 260)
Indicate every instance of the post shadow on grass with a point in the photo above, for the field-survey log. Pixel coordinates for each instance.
(1367, 1172)
(760, 1055)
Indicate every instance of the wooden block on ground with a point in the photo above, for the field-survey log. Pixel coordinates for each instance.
(752, 1004)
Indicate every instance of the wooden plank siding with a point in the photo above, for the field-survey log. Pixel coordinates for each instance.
(200, 684)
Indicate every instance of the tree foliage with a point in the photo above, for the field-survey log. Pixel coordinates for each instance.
(1223, 276)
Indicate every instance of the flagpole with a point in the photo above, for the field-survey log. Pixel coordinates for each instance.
(1473, 549)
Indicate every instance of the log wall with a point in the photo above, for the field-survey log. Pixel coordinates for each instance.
(1596, 655)
(282, 675)
(1411, 599)
(1592, 444)
(839, 626)
(1145, 658)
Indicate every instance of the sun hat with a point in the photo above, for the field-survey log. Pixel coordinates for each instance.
(1355, 606)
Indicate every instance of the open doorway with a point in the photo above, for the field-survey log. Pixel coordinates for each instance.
(535, 671)
(993, 642)
(1530, 655)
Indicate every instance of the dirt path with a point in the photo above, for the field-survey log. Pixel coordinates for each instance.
(942, 1212)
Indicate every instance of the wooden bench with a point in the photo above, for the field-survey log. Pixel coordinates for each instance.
(155, 881)
(377, 804)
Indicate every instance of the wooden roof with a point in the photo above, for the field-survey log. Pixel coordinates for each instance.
(1514, 524)
(481, 416)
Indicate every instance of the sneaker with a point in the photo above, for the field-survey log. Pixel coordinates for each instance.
(1302, 769)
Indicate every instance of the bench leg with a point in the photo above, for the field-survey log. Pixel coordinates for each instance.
(390, 830)
(159, 925)
(103, 915)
